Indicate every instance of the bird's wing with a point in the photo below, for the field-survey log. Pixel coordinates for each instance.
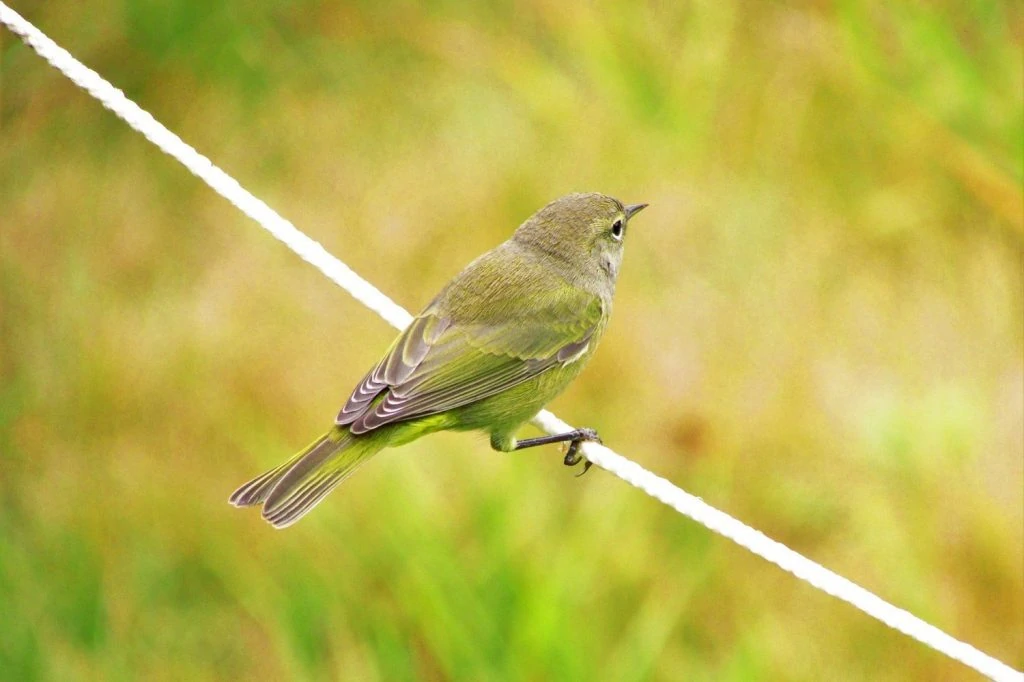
(437, 365)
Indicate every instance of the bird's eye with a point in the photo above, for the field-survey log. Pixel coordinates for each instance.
(617, 229)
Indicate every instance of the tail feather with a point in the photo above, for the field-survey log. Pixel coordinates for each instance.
(291, 490)
(256, 491)
(299, 502)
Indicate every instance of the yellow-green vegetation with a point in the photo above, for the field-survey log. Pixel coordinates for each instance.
(818, 329)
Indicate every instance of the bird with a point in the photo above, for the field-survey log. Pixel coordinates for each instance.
(500, 340)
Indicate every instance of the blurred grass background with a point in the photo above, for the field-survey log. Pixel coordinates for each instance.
(819, 329)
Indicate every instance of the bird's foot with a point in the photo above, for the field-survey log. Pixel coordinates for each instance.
(572, 455)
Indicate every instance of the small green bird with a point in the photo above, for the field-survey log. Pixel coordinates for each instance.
(503, 338)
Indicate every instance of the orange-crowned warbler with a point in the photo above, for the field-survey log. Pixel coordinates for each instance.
(504, 337)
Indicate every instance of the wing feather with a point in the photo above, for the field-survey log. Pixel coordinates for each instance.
(443, 360)
(402, 358)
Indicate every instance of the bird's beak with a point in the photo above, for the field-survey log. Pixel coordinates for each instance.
(633, 209)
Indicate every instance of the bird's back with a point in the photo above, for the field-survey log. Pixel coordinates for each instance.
(514, 283)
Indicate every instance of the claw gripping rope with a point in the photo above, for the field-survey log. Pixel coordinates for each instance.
(655, 486)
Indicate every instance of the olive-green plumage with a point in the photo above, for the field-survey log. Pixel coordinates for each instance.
(503, 338)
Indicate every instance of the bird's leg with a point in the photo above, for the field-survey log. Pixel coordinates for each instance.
(575, 437)
(572, 458)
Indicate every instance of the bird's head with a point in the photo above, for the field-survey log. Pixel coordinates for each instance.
(585, 231)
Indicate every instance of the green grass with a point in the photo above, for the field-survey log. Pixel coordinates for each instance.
(818, 329)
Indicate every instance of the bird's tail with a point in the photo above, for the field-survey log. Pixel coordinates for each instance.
(289, 491)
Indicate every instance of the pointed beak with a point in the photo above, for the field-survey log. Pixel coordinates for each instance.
(633, 209)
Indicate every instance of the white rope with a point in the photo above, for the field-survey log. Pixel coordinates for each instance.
(655, 486)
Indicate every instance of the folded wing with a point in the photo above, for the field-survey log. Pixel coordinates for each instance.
(437, 364)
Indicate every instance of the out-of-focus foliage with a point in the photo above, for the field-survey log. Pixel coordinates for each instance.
(818, 329)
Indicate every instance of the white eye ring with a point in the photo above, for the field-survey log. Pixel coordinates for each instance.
(617, 229)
